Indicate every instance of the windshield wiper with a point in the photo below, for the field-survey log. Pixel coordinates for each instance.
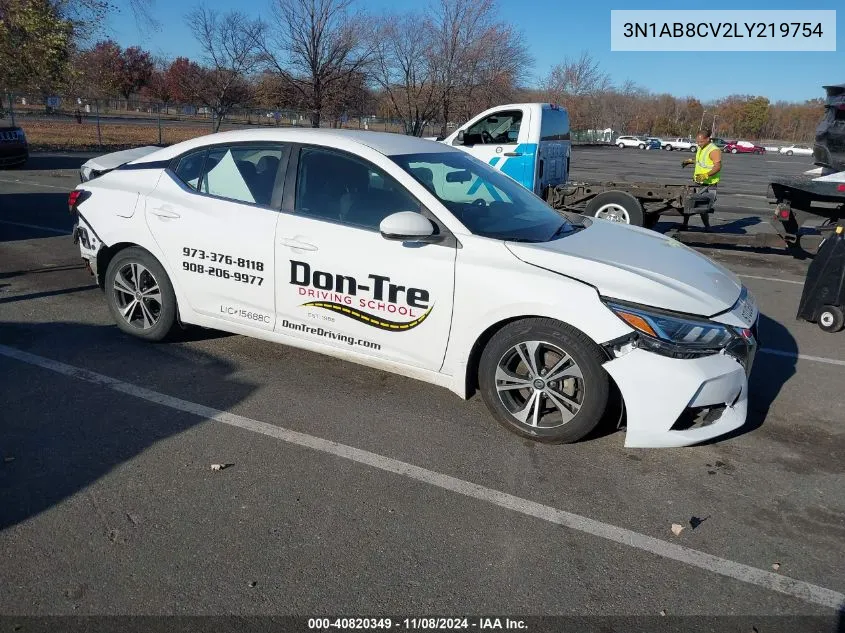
(566, 227)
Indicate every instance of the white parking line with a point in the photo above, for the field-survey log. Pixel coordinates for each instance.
(49, 229)
(816, 359)
(745, 573)
(34, 184)
(785, 281)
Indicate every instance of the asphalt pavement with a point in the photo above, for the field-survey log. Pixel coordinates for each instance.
(352, 491)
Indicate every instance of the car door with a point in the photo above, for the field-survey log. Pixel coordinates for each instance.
(501, 139)
(213, 215)
(340, 283)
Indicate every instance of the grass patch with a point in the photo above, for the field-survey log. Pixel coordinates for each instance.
(64, 136)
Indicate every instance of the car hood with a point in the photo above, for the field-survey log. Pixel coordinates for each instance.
(637, 265)
(116, 159)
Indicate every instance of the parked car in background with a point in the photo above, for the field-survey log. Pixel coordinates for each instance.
(680, 144)
(744, 147)
(630, 141)
(653, 143)
(718, 142)
(798, 150)
(14, 149)
(829, 149)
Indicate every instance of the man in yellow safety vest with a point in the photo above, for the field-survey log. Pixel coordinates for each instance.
(708, 170)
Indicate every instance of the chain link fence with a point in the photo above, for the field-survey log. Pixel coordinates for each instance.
(63, 122)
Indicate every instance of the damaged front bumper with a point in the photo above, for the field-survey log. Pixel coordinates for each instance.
(679, 402)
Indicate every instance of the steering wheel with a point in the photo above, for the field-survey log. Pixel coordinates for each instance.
(486, 137)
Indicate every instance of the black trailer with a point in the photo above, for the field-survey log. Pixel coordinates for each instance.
(797, 199)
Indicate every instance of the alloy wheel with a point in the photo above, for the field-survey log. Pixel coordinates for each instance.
(137, 295)
(540, 385)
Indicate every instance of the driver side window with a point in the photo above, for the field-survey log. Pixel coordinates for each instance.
(499, 128)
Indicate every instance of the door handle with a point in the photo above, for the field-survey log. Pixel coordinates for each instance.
(297, 245)
(513, 153)
(165, 212)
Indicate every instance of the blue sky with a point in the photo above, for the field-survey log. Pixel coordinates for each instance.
(555, 29)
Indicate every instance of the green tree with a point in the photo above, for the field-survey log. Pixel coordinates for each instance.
(35, 45)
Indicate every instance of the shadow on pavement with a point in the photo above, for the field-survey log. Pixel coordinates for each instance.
(27, 216)
(60, 434)
(768, 375)
(47, 162)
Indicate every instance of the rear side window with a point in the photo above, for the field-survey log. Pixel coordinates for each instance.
(241, 174)
(555, 125)
(189, 168)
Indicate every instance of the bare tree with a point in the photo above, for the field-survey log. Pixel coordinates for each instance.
(230, 44)
(319, 46)
(459, 27)
(579, 84)
(405, 70)
(502, 63)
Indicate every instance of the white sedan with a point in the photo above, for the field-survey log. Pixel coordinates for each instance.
(797, 150)
(416, 258)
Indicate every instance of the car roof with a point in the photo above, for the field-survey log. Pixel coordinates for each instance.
(386, 143)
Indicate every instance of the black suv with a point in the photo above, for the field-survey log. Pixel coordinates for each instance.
(829, 149)
(13, 146)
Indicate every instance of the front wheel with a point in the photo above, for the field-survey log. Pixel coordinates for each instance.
(831, 319)
(544, 380)
(139, 295)
(621, 145)
(789, 153)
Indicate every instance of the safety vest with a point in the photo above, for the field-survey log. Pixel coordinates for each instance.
(703, 164)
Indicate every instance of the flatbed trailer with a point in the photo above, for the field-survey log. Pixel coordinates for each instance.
(819, 193)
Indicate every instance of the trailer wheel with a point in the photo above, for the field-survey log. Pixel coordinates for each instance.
(616, 206)
(831, 318)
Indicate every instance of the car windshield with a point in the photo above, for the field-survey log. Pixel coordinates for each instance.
(484, 200)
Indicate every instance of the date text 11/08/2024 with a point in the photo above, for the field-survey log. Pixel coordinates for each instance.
(417, 624)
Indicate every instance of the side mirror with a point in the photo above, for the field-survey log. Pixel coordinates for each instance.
(459, 139)
(407, 226)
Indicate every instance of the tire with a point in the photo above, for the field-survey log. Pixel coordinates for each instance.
(587, 384)
(620, 145)
(693, 149)
(669, 148)
(641, 146)
(789, 153)
(150, 319)
(733, 151)
(831, 319)
(602, 206)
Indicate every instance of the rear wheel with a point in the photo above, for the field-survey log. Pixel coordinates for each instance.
(831, 319)
(733, 151)
(544, 380)
(616, 206)
(789, 153)
(669, 147)
(641, 145)
(692, 149)
(139, 295)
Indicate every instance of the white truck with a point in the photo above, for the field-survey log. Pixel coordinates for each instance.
(682, 144)
(530, 142)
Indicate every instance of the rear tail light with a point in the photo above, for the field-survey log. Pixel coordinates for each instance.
(76, 196)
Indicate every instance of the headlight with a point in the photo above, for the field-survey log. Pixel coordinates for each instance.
(673, 334)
